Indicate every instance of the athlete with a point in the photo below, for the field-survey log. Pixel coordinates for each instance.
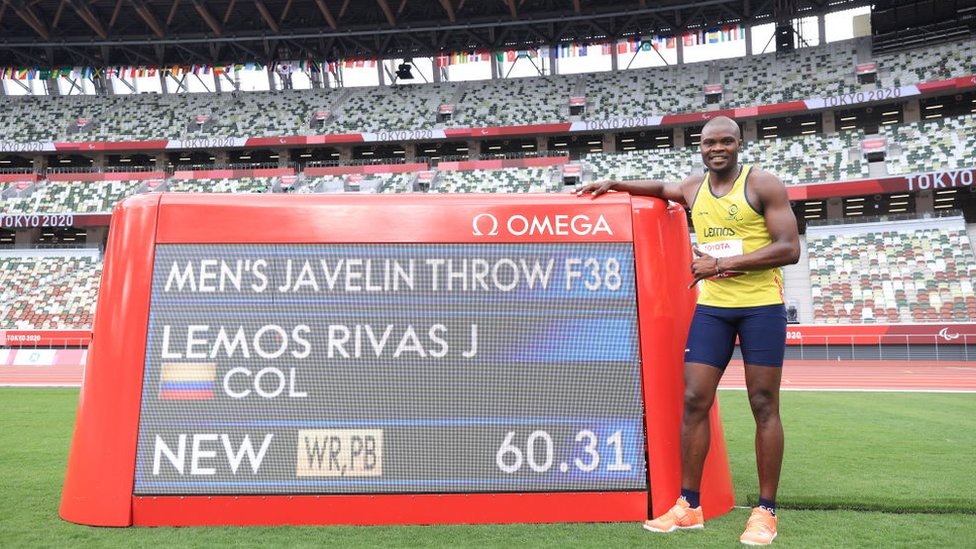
(746, 231)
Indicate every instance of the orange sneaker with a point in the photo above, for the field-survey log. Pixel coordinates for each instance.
(680, 517)
(760, 529)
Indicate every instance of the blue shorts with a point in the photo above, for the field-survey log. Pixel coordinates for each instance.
(761, 331)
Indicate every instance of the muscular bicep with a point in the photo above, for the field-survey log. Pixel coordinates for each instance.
(780, 220)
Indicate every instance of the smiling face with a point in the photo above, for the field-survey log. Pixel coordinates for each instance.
(720, 144)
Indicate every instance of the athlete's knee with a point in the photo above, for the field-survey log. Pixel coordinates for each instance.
(698, 401)
(765, 405)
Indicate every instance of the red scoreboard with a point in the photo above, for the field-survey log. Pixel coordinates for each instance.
(379, 359)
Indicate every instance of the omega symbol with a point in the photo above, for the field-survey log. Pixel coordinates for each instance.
(491, 224)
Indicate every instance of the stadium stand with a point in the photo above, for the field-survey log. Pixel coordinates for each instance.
(321, 184)
(375, 183)
(48, 288)
(222, 185)
(646, 164)
(796, 160)
(510, 180)
(641, 92)
(825, 70)
(931, 145)
(806, 73)
(908, 271)
(71, 196)
(271, 114)
(386, 108)
(924, 64)
(514, 102)
(809, 158)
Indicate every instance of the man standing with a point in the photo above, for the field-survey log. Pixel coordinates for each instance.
(746, 231)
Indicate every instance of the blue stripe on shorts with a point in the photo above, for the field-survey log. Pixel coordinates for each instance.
(761, 332)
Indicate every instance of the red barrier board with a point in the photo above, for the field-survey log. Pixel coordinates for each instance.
(19, 177)
(387, 360)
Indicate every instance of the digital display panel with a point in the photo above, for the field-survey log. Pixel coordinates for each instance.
(381, 368)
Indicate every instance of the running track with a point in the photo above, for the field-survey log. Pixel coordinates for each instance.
(867, 375)
(858, 375)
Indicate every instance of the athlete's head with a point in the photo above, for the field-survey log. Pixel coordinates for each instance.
(720, 142)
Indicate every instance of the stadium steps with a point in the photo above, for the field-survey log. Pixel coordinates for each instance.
(796, 284)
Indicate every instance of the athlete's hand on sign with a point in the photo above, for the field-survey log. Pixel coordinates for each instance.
(596, 189)
(704, 266)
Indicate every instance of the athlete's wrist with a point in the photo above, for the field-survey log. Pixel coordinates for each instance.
(718, 269)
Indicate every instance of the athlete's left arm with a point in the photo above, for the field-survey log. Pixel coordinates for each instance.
(780, 222)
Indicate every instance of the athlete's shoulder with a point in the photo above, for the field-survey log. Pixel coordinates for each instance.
(759, 176)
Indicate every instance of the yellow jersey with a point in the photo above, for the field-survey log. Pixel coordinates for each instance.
(728, 226)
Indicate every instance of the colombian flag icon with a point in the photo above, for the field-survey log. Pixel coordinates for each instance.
(187, 381)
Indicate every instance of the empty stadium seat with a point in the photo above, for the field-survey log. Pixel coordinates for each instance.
(921, 274)
(40, 289)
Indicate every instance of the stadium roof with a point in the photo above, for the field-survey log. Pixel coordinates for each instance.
(50, 33)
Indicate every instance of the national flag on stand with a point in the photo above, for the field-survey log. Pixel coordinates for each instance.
(737, 32)
(187, 381)
(695, 38)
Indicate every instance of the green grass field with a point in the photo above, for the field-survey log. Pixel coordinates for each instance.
(861, 470)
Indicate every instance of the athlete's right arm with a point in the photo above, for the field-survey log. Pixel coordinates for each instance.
(673, 191)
